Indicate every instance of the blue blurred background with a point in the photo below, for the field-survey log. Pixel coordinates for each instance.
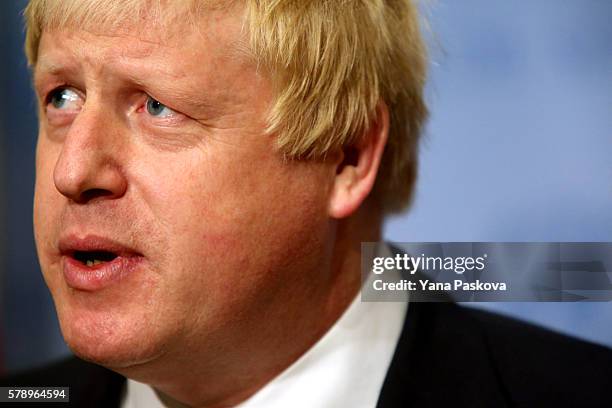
(518, 148)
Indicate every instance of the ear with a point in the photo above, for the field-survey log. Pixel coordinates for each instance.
(358, 165)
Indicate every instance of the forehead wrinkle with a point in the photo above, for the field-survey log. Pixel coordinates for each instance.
(62, 58)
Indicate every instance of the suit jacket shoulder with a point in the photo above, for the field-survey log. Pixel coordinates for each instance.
(454, 356)
(90, 385)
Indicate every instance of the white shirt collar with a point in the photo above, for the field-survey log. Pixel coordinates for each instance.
(345, 368)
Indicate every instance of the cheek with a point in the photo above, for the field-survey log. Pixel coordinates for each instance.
(46, 213)
(232, 229)
(46, 196)
(47, 155)
(235, 205)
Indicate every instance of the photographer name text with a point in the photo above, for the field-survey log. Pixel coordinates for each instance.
(427, 285)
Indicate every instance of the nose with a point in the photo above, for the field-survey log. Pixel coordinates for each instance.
(89, 165)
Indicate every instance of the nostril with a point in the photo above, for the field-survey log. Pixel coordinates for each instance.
(93, 193)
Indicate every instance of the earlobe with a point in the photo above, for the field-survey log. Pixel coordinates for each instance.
(356, 170)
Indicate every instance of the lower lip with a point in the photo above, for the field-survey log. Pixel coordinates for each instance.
(92, 278)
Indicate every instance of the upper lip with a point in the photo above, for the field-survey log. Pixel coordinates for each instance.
(70, 244)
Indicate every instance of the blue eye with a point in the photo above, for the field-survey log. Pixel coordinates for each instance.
(65, 99)
(158, 109)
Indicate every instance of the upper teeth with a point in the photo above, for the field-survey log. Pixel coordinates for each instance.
(94, 262)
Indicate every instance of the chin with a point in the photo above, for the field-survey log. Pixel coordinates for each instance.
(112, 340)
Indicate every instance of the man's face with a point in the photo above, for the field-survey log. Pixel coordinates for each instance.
(163, 213)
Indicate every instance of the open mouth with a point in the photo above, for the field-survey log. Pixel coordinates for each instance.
(94, 258)
(92, 262)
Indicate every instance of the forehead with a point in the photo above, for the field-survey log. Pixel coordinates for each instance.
(158, 22)
(167, 35)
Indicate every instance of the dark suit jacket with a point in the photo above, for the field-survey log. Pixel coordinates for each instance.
(447, 356)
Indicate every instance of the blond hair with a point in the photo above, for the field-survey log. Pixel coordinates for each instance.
(331, 61)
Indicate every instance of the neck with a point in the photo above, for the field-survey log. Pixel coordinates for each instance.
(230, 369)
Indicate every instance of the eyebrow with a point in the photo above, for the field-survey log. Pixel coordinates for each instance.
(45, 68)
(50, 68)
